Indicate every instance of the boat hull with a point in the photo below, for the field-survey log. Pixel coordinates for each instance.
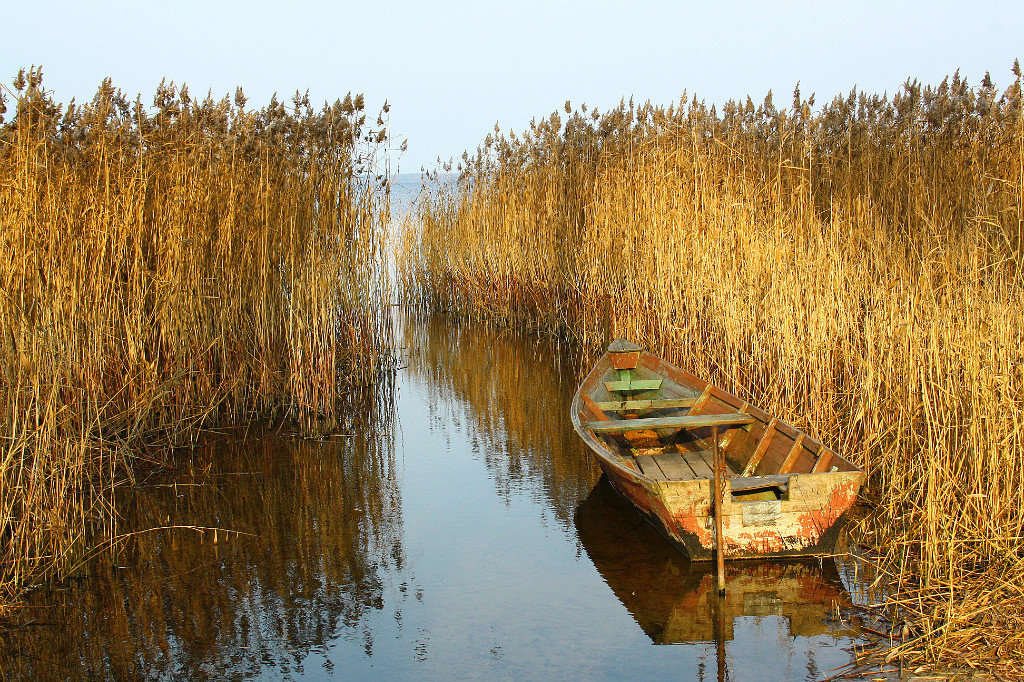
(807, 524)
(785, 493)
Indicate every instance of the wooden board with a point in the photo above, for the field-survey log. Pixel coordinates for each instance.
(624, 359)
(701, 466)
(824, 460)
(655, 404)
(712, 406)
(674, 466)
(796, 451)
(739, 484)
(649, 467)
(741, 446)
(669, 371)
(595, 409)
(778, 451)
(684, 422)
(633, 385)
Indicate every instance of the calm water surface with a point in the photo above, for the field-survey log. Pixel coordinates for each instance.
(456, 528)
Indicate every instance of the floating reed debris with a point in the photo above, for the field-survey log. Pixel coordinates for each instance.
(855, 268)
(162, 268)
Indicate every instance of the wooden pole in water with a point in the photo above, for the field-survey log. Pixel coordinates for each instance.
(720, 642)
(719, 541)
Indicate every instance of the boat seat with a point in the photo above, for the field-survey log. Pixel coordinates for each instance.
(682, 421)
(739, 484)
(632, 385)
(653, 404)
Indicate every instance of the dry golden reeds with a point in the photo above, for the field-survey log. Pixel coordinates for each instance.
(855, 268)
(160, 268)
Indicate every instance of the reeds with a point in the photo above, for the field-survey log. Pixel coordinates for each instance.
(855, 268)
(162, 268)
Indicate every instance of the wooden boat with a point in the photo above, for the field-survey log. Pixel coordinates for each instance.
(653, 428)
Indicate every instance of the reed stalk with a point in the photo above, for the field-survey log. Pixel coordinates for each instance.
(163, 268)
(854, 268)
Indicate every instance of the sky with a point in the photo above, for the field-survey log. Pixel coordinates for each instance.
(452, 70)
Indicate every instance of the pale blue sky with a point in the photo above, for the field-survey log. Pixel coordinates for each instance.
(453, 69)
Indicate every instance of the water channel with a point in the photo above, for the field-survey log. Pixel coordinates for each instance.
(456, 527)
(459, 530)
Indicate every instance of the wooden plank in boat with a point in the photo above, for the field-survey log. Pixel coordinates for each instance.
(807, 459)
(675, 466)
(682, 421)
(669, 387)
(762, 447)
(649, 467)
(779, 450)
(742, 445)
(806, 455)
(724, 396)
(656, 364)
(730, 435)
(738, 405)
(739, 484)
(595, 408)
(823, 461)
(633, 385)
(623, 346)
(654, 404)
(713, 406)
(794, 453)
(701, 402)
(624, 359)
(698, 461)
(776, 450)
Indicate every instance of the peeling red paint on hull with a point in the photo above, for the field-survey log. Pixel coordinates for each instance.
(801, 527)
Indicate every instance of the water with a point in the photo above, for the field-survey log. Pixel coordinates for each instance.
(454, 527)
(405, 187)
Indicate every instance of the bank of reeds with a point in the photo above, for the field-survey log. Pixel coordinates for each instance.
(161, 268)
(854, 267)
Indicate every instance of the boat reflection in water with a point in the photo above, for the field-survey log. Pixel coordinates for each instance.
(675, 601)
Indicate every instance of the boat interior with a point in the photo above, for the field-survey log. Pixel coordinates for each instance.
(662, 422)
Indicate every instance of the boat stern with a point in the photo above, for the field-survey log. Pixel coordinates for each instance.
(804, 521)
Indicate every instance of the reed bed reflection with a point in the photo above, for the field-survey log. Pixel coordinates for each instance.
(512, 393)
(165, 268)
(262, 548)
(854, 268)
